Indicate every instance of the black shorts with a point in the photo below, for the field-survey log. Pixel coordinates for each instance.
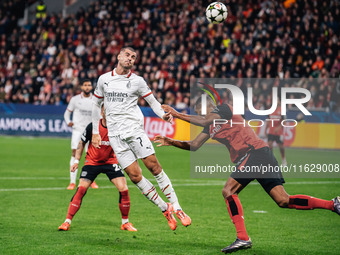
(277, 138)
(269, 174)
(91, 172)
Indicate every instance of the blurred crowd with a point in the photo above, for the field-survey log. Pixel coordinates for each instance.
(44, 61)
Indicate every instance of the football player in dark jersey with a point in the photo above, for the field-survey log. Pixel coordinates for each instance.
(246, 149)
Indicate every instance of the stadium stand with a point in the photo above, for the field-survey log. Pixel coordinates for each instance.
(44, 61)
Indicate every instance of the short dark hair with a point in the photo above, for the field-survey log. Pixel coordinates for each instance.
(85, 80)
(128, 48)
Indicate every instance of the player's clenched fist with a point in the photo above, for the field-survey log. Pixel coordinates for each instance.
(169, 109)
(96, 140)
(162, 140)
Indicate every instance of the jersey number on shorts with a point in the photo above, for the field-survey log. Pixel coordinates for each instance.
(140, 141)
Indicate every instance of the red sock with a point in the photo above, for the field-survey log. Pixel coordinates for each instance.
(303, 202)
(76, 202)
(124, 204)
(236, 214)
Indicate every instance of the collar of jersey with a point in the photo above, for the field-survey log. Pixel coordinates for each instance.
(125, 75)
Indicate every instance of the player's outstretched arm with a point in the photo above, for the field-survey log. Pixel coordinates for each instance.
(157, 108)
(193, 145)
(197, 120)
(79, 152)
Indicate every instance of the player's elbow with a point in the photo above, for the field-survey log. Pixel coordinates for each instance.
(206, 122)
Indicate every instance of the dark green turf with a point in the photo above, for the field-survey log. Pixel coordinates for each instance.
(29, 219)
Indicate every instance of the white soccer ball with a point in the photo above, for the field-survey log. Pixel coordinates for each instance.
(216, 12)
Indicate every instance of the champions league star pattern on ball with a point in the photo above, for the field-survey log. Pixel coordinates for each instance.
(216, 12)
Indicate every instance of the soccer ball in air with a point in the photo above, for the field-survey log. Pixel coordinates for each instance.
(216, 12)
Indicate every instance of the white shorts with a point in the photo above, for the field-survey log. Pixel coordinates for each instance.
(76, 136)
(129, 149)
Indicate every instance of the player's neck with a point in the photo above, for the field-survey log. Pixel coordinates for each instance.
(121, 70)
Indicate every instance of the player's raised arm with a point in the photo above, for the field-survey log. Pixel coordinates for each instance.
(146, 93)
(193, 145)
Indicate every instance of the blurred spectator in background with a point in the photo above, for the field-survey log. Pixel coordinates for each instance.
(41, 10)
(266, 39)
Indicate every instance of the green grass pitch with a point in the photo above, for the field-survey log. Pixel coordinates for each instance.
(34, 201)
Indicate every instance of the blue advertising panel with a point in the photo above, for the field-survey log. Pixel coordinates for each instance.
(48, 120)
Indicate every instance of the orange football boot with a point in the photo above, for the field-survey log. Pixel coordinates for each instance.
(64, 227)
(71, 186)
(94, 185)
(185, 219)
(170, 217)
(128, 226)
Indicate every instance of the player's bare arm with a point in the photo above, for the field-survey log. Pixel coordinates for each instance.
(96, 140)
(79, 153)
(193, 145)
(202, 121)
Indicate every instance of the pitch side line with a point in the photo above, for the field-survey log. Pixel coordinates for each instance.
(216, 183)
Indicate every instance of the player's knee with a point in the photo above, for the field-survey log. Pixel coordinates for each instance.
(226, 192)
(154, 167)
(135, 178)
(122, 187)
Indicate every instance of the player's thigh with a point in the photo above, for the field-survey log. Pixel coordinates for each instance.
(270, 143)
(272, 175)
(116, 176)
(241, 176)
(90, 172)
(124, 154)
(279, 140)
(76, 136)
(141, 145)
(120, 183)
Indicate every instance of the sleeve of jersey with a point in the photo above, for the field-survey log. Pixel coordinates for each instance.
(70, 106)
(155, 105)
(143, 89)
(87, 134)
(67, 116)
(98, 92)
(206, 130)
(97, 100)
(224, 111)
(69, 109)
